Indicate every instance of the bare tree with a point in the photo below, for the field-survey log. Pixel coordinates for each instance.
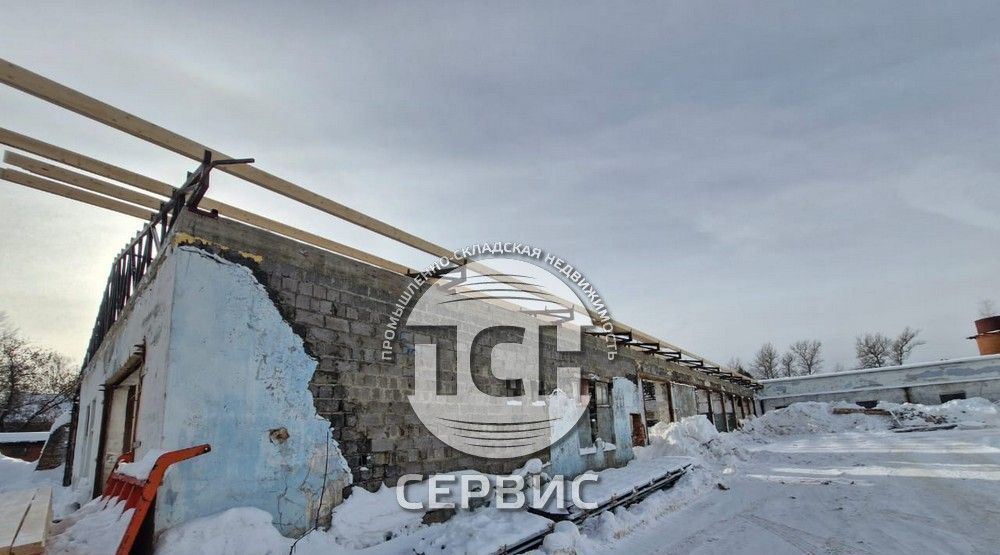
(807, 356)
(786, 365)
(988, 308)
(33, 381)
(765, 362)
(736, 365)
(904, 344)
(872, 350)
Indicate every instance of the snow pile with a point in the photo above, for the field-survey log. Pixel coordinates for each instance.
(812, 418)
(694, 437)
(694, 440)
(600, 531)
(365, 518)
(241, 530)
(967, 413)
(141, 468)
(564, 539)
(92, 529)
(483, 530)
(16, 474)
(819, 418)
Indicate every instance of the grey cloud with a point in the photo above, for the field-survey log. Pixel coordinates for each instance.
(726, 173)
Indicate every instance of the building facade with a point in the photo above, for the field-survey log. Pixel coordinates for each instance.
(927, 383)
(269, 350)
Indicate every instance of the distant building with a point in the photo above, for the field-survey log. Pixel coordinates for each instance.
(26, 446)
(924, 382)
(35, 412)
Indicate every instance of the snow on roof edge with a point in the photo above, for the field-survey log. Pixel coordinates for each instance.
(866, 389)
(24, 437)
(884, 368)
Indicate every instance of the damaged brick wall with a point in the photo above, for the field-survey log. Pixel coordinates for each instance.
(340, 307)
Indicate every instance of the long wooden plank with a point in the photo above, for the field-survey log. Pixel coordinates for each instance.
(109, 189)
(49, 186)
(235, 213)
(230, 211)
(34, 530)
(13, 506)
(79, 180)
(80, 161)
(103, 187)
(61, 95)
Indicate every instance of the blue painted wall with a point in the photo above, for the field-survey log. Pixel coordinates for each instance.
(235, 372)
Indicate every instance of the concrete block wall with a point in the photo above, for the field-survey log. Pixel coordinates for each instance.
(340, 307)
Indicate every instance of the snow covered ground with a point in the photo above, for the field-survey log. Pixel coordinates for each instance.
(16, 474)
(797, 480)
(863, 493)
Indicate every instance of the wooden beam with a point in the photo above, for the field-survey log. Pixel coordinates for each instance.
(80, 161)
(49, 186)
(121, 193)
(79, 180)
(61, 95)
(34, 532)
(85, 163)
(13, 507)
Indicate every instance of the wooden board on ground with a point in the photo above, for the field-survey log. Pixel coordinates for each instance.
(13, 507)
(34, 530)
(24, 521)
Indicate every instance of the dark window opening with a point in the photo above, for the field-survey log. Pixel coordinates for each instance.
(515, 388)
(587, 431)
(592, 411)
(952, 396)
(599, 418)
(649, 402)
(866, 404)
(639, 438)
(648, 391)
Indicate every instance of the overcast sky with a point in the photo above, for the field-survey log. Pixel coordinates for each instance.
(725, 174)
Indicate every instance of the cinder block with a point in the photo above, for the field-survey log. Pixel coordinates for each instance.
(337, 324)
(308, 318)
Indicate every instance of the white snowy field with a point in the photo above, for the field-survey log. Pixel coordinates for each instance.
(844, 493)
